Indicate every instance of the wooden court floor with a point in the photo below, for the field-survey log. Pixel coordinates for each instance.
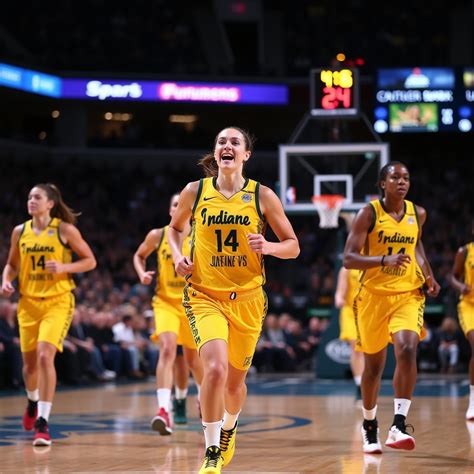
(288, 426)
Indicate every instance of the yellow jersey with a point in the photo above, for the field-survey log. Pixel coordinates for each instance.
(353, 285)
(169, 285)
(222, 257)
(35, 250)
(388, 237)
(469, 273)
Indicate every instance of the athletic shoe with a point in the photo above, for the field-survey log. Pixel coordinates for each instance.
(161, 423)
(29, 416)
(370, 437)
(212, 463)
(227, 444)
(179, 411)
(398, 438)
(41, 437)
(469, 413)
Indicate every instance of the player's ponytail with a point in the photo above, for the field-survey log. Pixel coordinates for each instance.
(60, 209)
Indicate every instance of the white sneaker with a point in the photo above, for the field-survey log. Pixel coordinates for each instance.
(470, 413)
(370, 439)
(398, 439)
(108, 375)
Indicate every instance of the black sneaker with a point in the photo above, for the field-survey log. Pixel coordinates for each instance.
(370, 437)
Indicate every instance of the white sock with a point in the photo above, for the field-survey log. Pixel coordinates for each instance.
(44, 409)
(33, 395)
(401, 406)
(230, 420)
(357, 379)
(164, 396)
(369, 414)
(180, 393)
(212, 433)
(471, 395)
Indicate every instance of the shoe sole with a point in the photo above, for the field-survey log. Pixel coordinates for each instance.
(471, 418)
(42, 442)
(406, 444)
(374, 451)
(159, 424)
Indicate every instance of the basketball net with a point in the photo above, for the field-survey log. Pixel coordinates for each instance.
(328, 207)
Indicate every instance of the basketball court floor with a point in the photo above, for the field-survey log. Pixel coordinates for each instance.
(289, 425)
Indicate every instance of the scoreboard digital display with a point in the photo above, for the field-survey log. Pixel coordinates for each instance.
(424, 100)
(334, 92)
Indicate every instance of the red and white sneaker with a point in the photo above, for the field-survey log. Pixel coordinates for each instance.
(41, 437)
(162, 423)
(30, 415)
(398, 438)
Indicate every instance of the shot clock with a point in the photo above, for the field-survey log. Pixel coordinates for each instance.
(334, 92)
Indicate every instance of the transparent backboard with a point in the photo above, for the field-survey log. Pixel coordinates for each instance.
(350, 170)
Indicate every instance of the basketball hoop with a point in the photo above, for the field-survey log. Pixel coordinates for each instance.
(328, 207)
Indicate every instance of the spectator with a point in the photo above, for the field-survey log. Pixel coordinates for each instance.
(10, 344)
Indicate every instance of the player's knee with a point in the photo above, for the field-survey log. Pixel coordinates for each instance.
(29, 369)
(406, 352)
(216, 371)
(373, 371)
(236, 389)
(45, 358)
(167, 352)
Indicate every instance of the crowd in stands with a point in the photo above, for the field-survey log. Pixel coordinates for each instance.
(161, 36)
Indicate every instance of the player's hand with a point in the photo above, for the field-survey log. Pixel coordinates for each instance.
(147, 278)
(398, 260)
(183, 266)
(466, 289)
(7, 288)
(54, 267)
(433, 286)
(258, 243)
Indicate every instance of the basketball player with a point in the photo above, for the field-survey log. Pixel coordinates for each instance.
(171, 325)
(389, 306)
(224, 298)
(462, 280)
(41, 257)
(347, 286)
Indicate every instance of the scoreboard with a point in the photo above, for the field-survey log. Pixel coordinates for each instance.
(424, 100)
(334, 92)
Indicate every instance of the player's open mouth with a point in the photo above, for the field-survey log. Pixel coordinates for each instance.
(227, 157)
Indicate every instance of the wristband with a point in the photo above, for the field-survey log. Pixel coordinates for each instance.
(382, 261)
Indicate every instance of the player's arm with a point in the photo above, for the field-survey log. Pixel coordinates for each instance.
(85, 262)
(182, 264)
(272, 209)
(341, 288)
(145, 249)
(431, 283)
(356, 241)
(12, 267)
(457, 273)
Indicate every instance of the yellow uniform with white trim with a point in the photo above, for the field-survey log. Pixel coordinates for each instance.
(167, 302)
(466, 302)
(224, 298)
(46, 304)
(390, 299)
(347, 325)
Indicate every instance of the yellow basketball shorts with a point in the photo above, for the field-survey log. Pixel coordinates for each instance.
(171, 317)
(466, 316)
(238, 321)
(378, 317)
(44, 320)
(347, 326)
